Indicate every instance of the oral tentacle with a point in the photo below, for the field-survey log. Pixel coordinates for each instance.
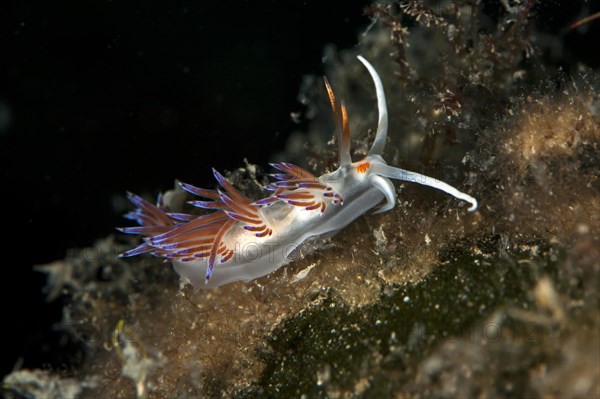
(388, 190)
(414, 177)
(382, 125)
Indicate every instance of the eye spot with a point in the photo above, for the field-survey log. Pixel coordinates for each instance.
(362, 168)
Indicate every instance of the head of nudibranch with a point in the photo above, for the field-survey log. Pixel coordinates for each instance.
(366, 184)
(212, 249)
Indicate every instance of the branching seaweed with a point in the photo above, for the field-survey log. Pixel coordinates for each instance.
(458, 61)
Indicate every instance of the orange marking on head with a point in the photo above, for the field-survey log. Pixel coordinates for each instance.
(362, 168)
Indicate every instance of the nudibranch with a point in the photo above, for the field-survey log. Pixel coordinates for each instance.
(244, 239)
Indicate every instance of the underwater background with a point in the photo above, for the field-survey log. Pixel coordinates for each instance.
(100, 98)
(103, 97)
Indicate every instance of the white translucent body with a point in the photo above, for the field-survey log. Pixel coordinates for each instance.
(362, 188)
(256, 257)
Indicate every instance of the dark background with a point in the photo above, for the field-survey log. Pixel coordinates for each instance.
(100, 97)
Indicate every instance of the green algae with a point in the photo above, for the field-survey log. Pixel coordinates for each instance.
(402, 327)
